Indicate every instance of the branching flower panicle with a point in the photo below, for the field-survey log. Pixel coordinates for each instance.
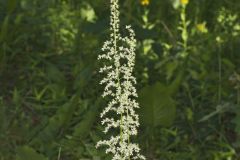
(119, 56)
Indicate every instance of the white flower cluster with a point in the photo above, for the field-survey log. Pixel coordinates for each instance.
(119, 55)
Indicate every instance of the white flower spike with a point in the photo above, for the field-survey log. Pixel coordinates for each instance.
(119, 55)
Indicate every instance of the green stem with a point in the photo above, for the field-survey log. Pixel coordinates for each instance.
(115, 32)
(121, 130)
(238, 97)
(59, 153)
(219, 76)
(128, 135)
(190, 96)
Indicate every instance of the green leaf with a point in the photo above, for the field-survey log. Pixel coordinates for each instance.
(157, 108)
(236, 120)
(184, 35)
(171, 67)
(16, 97)
(83, 127)
(228, 63)
(4, 29)
(57, 122)
(3, 117)
(54, 74)
(28, 153)
(176, 4)
(88, 13)
(11, 5)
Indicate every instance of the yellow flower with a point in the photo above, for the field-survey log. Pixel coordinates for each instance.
(145, 2)
(184, 2)
(201, 27)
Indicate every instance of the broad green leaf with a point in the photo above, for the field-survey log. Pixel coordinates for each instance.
(157, 108)
(28, 153)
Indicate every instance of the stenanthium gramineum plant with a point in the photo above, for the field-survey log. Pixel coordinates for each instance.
(119, 114)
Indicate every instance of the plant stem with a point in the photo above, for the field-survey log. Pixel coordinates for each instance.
(238, 97)
(115, 32)
(219, 75)
(128, 134)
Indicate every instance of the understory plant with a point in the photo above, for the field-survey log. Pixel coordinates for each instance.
(119, 116)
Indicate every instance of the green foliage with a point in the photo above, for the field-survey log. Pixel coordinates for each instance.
(187, 69)
(157, 106)
(27, 153)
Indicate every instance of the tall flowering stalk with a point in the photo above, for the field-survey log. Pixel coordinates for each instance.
(119, 114)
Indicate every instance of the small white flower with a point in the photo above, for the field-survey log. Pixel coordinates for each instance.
(119, 84)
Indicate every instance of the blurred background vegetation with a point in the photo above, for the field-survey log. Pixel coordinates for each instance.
(187, 68)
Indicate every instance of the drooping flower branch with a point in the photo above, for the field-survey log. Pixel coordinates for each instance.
(119, 114)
